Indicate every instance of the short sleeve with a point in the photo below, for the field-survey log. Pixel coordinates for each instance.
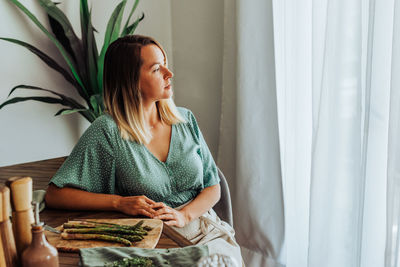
(210, 171)
(91, 164)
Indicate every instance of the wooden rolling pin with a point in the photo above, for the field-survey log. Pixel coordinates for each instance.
(22, 215)
(6, 234)
(2, 257)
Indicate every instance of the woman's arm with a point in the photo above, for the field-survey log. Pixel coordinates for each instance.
(197, 207)
(76, 199)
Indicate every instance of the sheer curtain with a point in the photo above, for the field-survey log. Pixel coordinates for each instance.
(249, 144)
(331, 78)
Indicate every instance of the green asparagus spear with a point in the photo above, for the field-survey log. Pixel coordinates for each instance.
(96, 237)
(78, 225)
(132, 238)
(131, 227)
(100, 230)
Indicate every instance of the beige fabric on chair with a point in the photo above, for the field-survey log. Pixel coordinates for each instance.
(210, 230)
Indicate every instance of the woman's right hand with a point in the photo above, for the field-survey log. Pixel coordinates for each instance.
(136, 205)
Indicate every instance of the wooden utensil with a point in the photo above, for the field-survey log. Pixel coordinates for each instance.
(7, 236)
(22, 216)
(2, 257)
(21, 192)
(21, 222)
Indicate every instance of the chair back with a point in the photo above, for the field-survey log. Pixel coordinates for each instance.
(223, 208)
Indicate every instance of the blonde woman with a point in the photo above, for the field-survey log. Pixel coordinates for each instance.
(144, 156)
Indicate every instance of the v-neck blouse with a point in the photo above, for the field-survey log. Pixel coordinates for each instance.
(103, 162)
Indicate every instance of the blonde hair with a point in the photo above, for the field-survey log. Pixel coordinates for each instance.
(121, 93)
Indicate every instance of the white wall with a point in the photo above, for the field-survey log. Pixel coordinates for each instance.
(28, 130)
(197, 37)
(190, 31)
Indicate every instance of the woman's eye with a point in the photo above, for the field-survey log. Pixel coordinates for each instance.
(156, 70)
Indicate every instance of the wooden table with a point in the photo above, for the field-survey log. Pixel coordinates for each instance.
(169, 237)
(41, 172)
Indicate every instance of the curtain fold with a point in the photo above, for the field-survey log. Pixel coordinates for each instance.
(393, 168)
(349, 47)
(249, 144)
(311, 118)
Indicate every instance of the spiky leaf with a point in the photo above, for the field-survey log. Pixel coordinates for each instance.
(45, 99)
(112, 33)
(66, 111)
(54, 40)
(67, 100)
(130, 15)
(131, 28)
(48, 60)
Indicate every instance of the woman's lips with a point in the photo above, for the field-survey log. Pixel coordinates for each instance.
(168, 86)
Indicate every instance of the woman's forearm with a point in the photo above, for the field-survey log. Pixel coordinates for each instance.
(76, 199)
(202, 203)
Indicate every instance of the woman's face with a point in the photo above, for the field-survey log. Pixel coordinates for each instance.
(155, 77)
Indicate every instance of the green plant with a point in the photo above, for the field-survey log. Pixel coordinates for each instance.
(85, 64)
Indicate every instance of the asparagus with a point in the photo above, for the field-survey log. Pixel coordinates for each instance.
(132, 238)
(99, 230)
(83, 224)
(105, 231)
(97, 237)
(69, 225)
(131, 227)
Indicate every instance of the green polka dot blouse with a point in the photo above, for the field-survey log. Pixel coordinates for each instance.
(103, 162)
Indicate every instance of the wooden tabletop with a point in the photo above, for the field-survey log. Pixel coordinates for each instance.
(41, 173)
(169, 237)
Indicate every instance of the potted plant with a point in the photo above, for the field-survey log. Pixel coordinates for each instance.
(85, 63)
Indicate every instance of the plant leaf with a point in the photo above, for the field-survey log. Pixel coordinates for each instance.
(48, 60)
(112, 33)
(130, 15)
(55, 41)
(86, 113)
(67, 100)
(84, 14)
(66, 111)
(131, 28)
(59, 20)
(92, 56)
(89, 45)
(46, 99)
(97, 104)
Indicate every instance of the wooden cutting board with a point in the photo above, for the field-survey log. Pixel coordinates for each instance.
(149, 241)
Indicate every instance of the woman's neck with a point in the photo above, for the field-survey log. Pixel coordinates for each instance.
(150, 113)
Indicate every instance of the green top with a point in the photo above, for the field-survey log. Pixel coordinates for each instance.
(103, 162)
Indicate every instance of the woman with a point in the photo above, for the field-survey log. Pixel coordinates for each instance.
(144, 156)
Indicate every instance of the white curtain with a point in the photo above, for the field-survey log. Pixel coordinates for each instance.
(328, 69)
(249, 144)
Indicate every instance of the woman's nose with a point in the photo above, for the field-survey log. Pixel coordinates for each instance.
(168, 73)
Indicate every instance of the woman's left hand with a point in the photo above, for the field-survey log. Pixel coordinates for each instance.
(172, 217)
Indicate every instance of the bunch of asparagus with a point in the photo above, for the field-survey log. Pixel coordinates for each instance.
(89, 230)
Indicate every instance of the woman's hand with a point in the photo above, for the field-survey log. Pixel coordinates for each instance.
(172, 217)
(136, 205)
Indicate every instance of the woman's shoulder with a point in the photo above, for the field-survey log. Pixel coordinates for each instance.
(191, 121)
(104, 124)
(104, 120)
(186, 113)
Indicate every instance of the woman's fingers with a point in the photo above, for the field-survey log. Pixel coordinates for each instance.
(146, 213)
(171, 223)
(148, 200)
(168, 216)
(158, 205)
